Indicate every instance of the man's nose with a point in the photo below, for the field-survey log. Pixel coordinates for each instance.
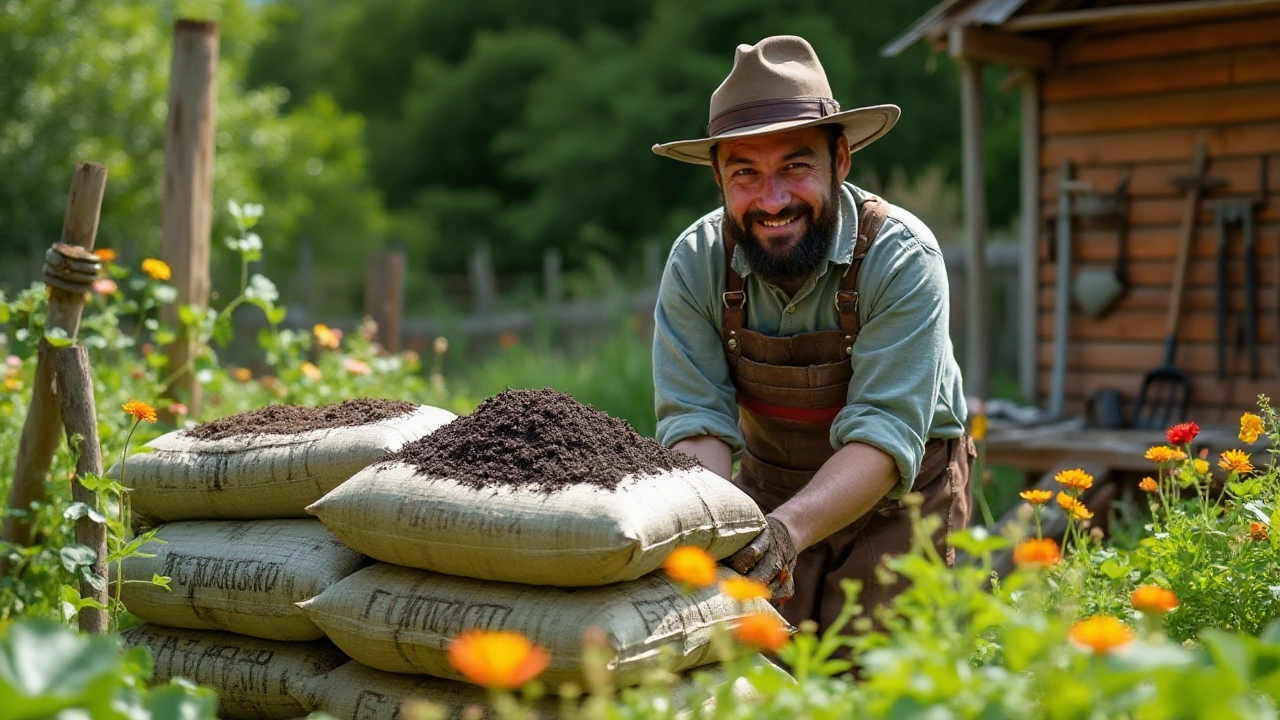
(775, 196)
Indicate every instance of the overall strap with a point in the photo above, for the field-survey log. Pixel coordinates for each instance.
(735, 300)
(870, 219)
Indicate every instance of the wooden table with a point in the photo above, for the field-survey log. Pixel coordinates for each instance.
(1038, 448)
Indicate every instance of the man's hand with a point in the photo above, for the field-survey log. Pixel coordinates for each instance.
(771, 559)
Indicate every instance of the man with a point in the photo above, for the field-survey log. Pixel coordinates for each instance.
(804, 324)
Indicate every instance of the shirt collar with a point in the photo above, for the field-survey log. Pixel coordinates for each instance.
(841, 251)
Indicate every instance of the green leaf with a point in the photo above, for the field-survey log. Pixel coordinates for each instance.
(77, 510)
(1114, 569)
(977, 541)
(161, 581)
(58, 337)
(181, 701)
(276, 315)
(190, 314)
(4, 312)
(45, 668)
(76, 556)
(223, 331)
(1227, 652)
(94, 483)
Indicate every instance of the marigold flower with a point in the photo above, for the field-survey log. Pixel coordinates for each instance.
(763, 630)
(106, 255)
(1037, 553)
(357, 367)
(1077, 478)
(140, 410)
(690, 565)
(242, 374)
(497, 659)
(1164, 454)
(1200, 465)
(1250, 427)
(1154, 600)
(105, 286)
(1182, 433)
(1258, 531)
(1074, 507)
(1148, 484)
(1101, 634)
(1236, 461)
(311, 372)
(12, 382)
(326, 337)
(1036, 497)
(978, 427)
(157, 269)
(743, 589)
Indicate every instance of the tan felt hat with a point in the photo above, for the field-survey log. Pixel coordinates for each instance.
(775, 85)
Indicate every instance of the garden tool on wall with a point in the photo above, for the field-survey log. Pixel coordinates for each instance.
(1232, 211)
(1062, 291)
(1096, 290)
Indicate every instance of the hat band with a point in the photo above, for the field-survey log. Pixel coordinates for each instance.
(767, 111)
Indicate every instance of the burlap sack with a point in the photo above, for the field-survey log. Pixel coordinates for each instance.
(253, 677)
(242, 576)
(581, 535)
(253, 477)
(356, 691)
(402, 620)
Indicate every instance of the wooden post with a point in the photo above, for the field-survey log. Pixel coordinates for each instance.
(1029, 252)
(188, 187)
(483, 295)
(977, 372)
(80, 418)
(40, 431)
(384, 296)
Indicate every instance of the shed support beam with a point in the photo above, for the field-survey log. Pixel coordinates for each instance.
(1028, 254)
(977, 372)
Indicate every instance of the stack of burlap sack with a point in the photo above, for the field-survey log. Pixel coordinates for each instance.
(240, 552)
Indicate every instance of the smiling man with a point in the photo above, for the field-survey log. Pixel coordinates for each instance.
(804, 325)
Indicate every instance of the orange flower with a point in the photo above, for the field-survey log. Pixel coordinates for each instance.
(140, 410)
(1200, 466)
(1077, 478)
(1154, 600)
(690, 565)
(1258, 531)
(1236, 461)
(1164, 454)
(1036, 497)
(1035, 553)
(326, 337)
(978, 427)
(1101, 634)
(242, 374)
(743, 589)
(1074, 507)
(357, 367)
(763, 630)
(311, 372)
(106, 255)
(497, 658)
(157, 269)
(1250, 427)
(1182, 433)
(1148, 484)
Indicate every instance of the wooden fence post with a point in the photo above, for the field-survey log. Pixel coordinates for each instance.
(40, 431)
(483, 294)
(188, 188)
(384, 296)
(80, 418)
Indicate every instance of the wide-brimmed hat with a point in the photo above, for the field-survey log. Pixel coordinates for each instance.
(775, 85)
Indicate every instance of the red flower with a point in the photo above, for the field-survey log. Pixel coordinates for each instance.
(1182, 433)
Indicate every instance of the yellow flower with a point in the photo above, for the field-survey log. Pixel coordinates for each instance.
(156, 269)
(106, 255)
(311, 372)
(1036, 497)
(12, 382)
(1037, 553)
(763, 630)
(326, 337)
(1074, 507)
(1258, 531)
(1200, 466)
(1077, 478)
(1164, 454)
(1148, 484)
(743, 589)
(1154, 600)
(1250, 427)
(978, 427)
(497, 658)
(242, 374)
(140, 410)
(1236, 461)
(690, 565)
(1101, 634)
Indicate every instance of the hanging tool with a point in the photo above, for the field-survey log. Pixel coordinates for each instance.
(1062, 288)
(1096, 290)
(1165, 393)
(1233, 211)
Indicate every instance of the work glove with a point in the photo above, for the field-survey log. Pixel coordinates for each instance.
(771, 559)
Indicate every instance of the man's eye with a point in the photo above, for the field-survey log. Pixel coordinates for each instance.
(798, 166)
(743, 172)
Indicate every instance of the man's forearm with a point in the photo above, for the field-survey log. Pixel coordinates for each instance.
(844, 489)
(712, 453)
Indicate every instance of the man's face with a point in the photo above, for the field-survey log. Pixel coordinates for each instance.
(780, 199)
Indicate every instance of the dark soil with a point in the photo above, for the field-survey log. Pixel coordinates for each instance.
(293, 419)
(538, 439)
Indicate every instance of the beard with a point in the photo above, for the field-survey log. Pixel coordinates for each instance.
(780, 266)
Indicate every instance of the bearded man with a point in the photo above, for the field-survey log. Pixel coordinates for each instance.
(804, 325)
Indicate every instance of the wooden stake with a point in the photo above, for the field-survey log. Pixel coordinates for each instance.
(977, 372)
(40, 431)
(384, 296)
(188, 187)
(80, 417)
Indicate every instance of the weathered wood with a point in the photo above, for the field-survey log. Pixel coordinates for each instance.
(1164, 75)
(1179, 40)
(1184, 10)
(384, 296)
(1151, 180)
(977, 370)
(80, 420)
(1029, 229)
(966, 41)
(1122, 355)
(188, 188)
(1158, 273)
(1206, 390)
(1155, 299)
(1236, 104)
(1162, 145)
(1145, 326)
(1041, 448)
(1168, 211)
(40, 430)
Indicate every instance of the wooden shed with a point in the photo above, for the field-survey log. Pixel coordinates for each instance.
(1116, 98)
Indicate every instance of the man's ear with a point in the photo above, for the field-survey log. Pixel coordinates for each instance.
(844, 163)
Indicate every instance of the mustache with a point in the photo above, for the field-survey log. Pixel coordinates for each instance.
(799, 208)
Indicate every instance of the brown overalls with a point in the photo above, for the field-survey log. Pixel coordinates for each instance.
(789, 392)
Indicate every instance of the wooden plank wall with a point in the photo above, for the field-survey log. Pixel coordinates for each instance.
(1133, 101)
